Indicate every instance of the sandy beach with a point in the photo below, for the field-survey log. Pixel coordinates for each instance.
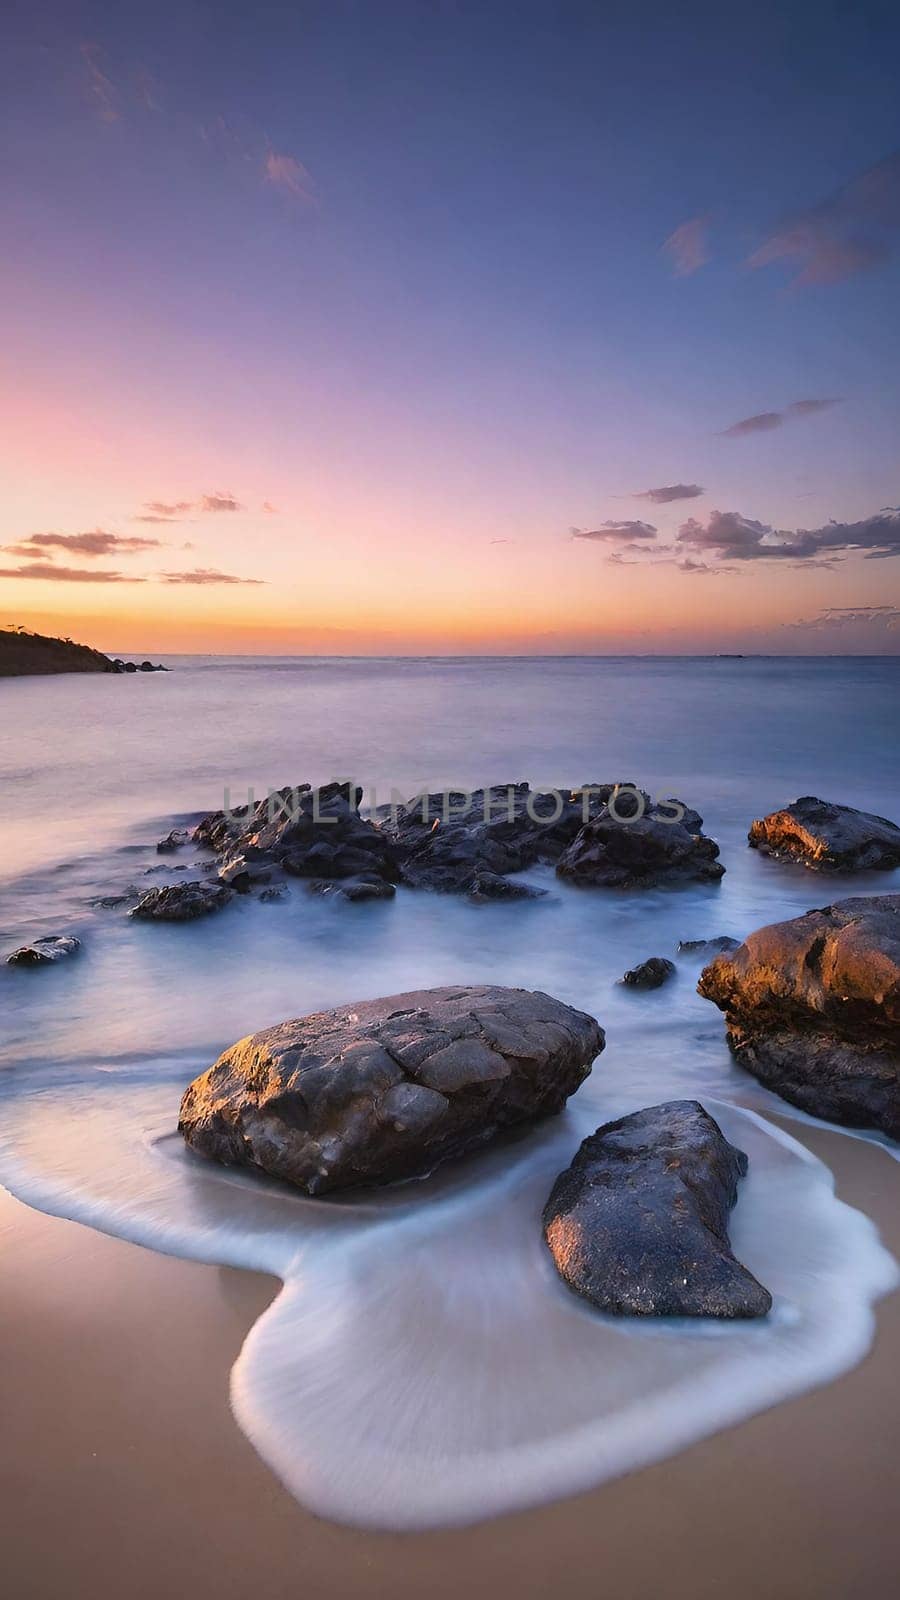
(125, 1473)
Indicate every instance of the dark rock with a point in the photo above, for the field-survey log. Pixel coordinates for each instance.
(490, 886)
(130, 666)
(354, 889)
(813, 1010)
(182, 902)
(173, 841)
(651, 974)
(111, 902)
(391, 1088)
(638, 1224)
(277, 891)
(641, 853)
(305, 832)
(829, 837)
(707, 947)
(41, 952)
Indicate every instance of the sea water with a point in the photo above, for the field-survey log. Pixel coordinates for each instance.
(423, 1364)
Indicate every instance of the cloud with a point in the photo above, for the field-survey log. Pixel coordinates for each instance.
(687, 247)
(610, 532)
(765, 421)
(102, 90)
(670, 492)
(166, 509)
(219, 502)
(201, 575)
(289, 175)
(95, 543)
(838, 617)
(268, 506)
(853, 230)
(731, 535)
(44, 569)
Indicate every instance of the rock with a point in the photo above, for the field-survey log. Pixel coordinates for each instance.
(489, 886)
(173, 841)
(355, 888)
(130, 666)
(637, 854)
(305, 832)
(111, 902)
(389, 1089)
(812, 1008)
(651, 974)
(182, 902)
(41, 952)
(707, 947)
(637, 1224)
(277, 891)
(829, 837)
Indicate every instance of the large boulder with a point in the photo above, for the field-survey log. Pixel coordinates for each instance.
(181, 902)
(42, 952)
(638, 1224)
(829, 837)
(388, 1089)
(615, 851)
(305, 832)
(813, 1010)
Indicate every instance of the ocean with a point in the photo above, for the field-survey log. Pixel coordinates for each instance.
(422, 1364)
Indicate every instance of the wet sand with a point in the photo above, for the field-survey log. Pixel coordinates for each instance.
(124, 1475)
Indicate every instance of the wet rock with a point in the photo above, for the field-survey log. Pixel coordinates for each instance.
(41, 952)
(173, 841)
(276, 891)
(305, 832)
(707, 947)
(651, 974)
(390, 1088)
(637, 1224)
(812, 1008)
(640, 853)
(828, 837)
(182, 902)
(112, 902)
(490, 886)
(354, 889)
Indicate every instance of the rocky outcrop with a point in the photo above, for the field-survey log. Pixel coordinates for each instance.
(828, 837)
(304, 832)
(41, 952)
(812, 1008)
(638, 1224)
(388, 1089)
(651, 974)
(182, 902)
(707, 947)
(175, 840)
(24, 654)
(615, 852)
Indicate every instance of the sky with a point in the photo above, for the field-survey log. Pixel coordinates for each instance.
(451, 327)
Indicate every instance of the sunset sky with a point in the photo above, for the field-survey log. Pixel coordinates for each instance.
(452, 327)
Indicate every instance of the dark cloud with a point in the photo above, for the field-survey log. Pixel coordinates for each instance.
(670, 492)
(688, 247)
(205, 575)
(729, 534)
(611, 532)
(765, 421)
(44, 569)
(95, 543)
(851, 231)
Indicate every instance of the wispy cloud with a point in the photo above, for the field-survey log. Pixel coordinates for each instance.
(104, 94)
(611, 532)
(174, 510)
(670, 492)
(219, 502)
(688, 247)
(204, 575)
(170, 508)
(95, 543)
(730, 535)
(852, 230)
(46, 569)
(765, 421)
(289, 175)
(268, 506)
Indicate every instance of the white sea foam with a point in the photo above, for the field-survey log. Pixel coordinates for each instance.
(423, 1365)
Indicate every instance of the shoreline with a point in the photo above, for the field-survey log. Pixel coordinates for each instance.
(125, 1471)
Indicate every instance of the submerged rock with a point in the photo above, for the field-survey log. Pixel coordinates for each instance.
(391, 1088)
(182, 902)
(41, 952)
(707, 947)
(651, 974)
(354, 889)
(829, 837)
(639, 853)
(637, 1224)
(489, 886)
(812, 1008)
(173, 841)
